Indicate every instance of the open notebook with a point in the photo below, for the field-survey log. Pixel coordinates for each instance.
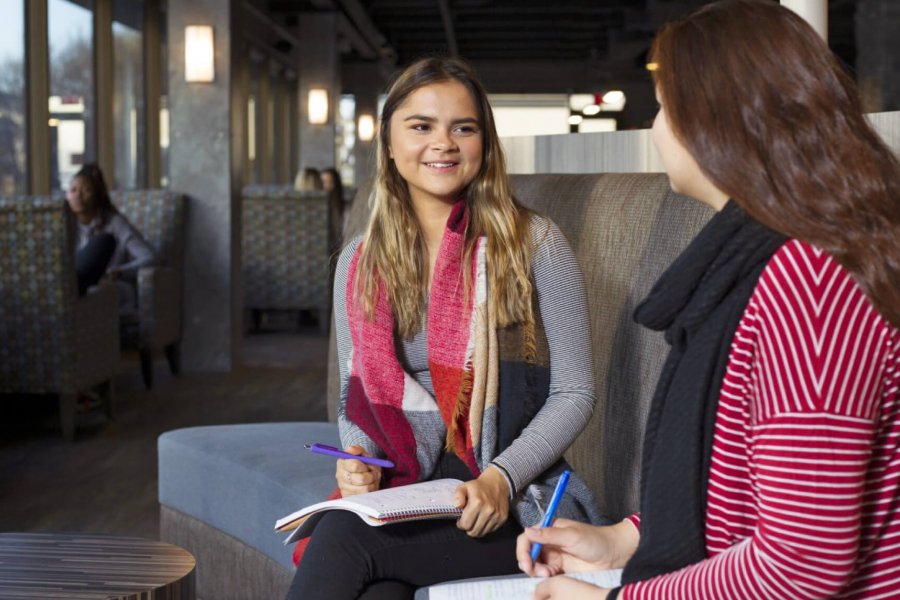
(425, 500)
(512, 588)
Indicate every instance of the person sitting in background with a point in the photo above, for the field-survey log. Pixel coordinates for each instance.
(770, 462)
(331, 182)
(105, 242)
(308, 179)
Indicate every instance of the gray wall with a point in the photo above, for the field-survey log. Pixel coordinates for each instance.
(620, 151)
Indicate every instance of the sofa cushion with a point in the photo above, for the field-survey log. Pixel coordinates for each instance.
(241, 478)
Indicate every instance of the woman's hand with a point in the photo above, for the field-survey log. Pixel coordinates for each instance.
(485, 503)
(354, 476)
(566, 588)
(570, 546)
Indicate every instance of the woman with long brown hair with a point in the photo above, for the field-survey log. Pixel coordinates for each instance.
(770, 461)
(454, 288)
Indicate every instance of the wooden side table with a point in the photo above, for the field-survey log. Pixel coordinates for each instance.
(91, 566)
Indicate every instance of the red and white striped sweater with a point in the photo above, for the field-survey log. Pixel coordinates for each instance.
(804, 500)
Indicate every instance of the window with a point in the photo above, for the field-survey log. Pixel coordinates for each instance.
(163, 101)
(12, 98)
(71, 102)
(530, 114)
(345, 139)
(128, 94)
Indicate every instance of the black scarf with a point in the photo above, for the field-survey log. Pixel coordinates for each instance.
(698, 302)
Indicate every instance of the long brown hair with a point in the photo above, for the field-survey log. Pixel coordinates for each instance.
(394, 229)
(775, 122)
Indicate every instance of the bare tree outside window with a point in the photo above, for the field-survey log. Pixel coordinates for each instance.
(71, 103)
(12, 98)
(128, 95)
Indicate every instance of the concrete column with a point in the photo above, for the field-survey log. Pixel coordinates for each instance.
(366, 84)
(208, 123)
(264, 123)
(878, 54)
(814, 11)
(319, 68)
(366, 104)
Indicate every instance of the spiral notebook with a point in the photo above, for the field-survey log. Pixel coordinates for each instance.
(515, 587)
(425, 500)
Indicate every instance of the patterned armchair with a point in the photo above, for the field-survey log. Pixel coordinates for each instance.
(286, 251)
(51, 341)
(159, 215)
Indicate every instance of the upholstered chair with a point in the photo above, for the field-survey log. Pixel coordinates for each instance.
(51, 340)
(286, 251)
(158, 215)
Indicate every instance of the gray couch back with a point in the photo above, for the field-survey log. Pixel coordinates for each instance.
(625, 230)
(286, 248)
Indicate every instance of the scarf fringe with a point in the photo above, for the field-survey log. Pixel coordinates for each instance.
(460, 411)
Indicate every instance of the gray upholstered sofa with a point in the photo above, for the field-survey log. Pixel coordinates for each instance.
(286, 249)
(158, 214)
(221, 488)
(51, 340)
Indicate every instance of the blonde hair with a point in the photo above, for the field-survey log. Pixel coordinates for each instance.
(393, 228)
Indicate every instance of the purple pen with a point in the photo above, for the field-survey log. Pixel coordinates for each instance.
(338, 453)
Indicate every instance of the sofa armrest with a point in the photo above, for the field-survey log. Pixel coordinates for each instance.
(159, 306)
(96, 336)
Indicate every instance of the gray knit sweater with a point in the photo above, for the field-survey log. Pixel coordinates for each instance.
(563, 304)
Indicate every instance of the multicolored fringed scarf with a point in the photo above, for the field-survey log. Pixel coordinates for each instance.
(489, 383)
(391, 407)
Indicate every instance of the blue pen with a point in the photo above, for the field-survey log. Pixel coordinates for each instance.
(337, 453)
(551, 511)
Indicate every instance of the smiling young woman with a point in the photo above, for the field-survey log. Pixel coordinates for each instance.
(449, 260)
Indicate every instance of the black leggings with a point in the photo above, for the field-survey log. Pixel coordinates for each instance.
(92, 260)
(347, 559)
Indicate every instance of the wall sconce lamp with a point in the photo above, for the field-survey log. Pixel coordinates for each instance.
(318, 106)
(199, 54)
(366, 128)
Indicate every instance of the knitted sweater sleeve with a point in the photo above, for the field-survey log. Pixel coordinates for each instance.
(350, 433)
(794, 438)
(570, 404)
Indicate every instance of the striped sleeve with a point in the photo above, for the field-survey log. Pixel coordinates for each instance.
(794, 439)
(570, 403)
(350, 433)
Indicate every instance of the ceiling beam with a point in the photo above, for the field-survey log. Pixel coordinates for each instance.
(358, 16)
(449, 32)
(351, 34)
(355, 26)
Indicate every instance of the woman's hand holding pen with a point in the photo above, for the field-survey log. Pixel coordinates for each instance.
(485, 503)
(355, 477)
(570, 546)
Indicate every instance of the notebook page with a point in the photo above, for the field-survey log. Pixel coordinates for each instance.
(427, 495)
(514, 588)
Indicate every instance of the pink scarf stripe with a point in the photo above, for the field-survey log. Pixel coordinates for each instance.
(374, 397)
(375, 401)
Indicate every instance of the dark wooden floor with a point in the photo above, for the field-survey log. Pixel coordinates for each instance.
(105, 481)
